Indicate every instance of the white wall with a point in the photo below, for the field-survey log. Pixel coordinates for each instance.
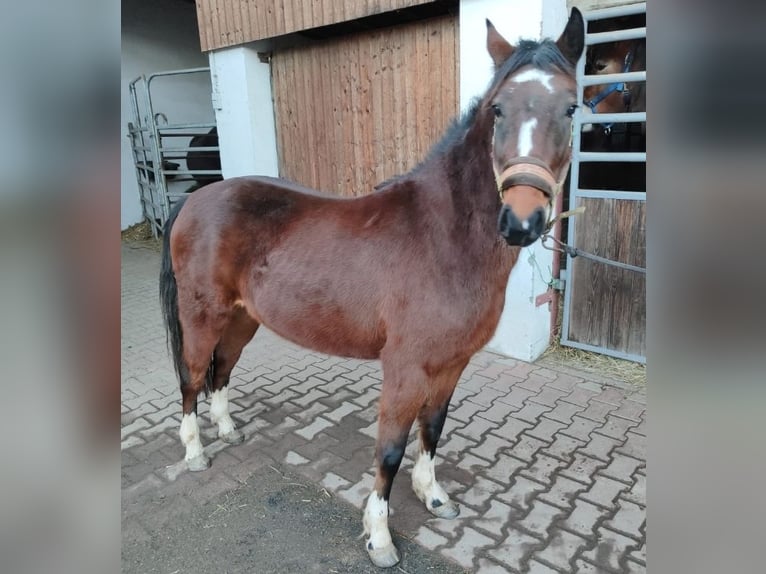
(160, 35)
(524, 330)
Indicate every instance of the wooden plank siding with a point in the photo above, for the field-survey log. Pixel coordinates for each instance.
(355, 110)
(224, 23)
(609, 304)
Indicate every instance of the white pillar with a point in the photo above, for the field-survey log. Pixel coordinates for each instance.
(524, 330)
(244, 112)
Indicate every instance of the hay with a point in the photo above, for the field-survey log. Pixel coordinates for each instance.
(140, 234)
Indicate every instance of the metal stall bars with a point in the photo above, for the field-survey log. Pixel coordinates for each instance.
(153, 157)
(589, 339)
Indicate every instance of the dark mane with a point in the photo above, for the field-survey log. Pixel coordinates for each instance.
(544, 55)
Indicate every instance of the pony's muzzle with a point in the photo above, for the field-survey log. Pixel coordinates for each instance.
(520, 232)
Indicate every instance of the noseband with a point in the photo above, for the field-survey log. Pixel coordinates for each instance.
(621, 87)
(528, 171)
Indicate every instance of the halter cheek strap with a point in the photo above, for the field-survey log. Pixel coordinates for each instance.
(621, 87)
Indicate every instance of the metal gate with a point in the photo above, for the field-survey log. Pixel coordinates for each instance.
(158, 146)
(604, 306)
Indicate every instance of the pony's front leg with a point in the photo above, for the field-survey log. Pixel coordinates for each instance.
(424, 482)
(431, 420)
(397, 413)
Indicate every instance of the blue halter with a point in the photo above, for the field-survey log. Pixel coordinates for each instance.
(621, 87)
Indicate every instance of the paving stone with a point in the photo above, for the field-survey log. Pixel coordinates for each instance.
(491, 447)
(504, 468)
(637, 492)
(610, 548)
(480, 492)
(580, 395)
(639, 554)
(451, 527)
(603, 491)
(496, 517)
(611, 395)
(294, 458)
(476, 429)
(560, 550)
(466, 547)
(511, 428)
(540, 519)
(582, 468)
(580, 428)
(472, 463)
(536, 567)
(531, 412)
(565, 382)
(563, 412)
(486, 396)
(136, 425)
(314, 428)
(342, 411)
(563, 492)
(365, 400)
(548, 396)
(526, 448)
(521, 492)
(632, 567)
(490, 567)
(498, 412)
(597, 411)
(542, 469)
(455, 446)
(600, 447)
(466, 411)
(630, 410)
(545, 429)
(622, 468)
(515, 549)
(629, 519)
(583, 519)
(634, 445)
(333, 482)
(563, 447)
(516, 398)
(616, 428)
(358, 493)
(429, 539)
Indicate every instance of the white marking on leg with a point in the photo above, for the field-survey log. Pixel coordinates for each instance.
(535, 76)
(376, 522)
(526, 133)
(219, 411)
(424, 481)
(190, 436)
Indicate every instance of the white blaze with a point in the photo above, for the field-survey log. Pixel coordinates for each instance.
(525, 136)
(535, 76)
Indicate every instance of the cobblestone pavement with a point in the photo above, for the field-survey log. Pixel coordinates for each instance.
(548, 463)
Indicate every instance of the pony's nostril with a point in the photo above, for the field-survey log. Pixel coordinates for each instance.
(536, 222)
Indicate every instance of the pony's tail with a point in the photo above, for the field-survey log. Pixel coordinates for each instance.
(169, 305)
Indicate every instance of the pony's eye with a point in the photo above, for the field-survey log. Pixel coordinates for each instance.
(496, 109)
(599, 65)
(571, 110)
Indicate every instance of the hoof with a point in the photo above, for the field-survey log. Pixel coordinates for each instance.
(448, 510)
(384, 557)
(198, 463)
(232, 437)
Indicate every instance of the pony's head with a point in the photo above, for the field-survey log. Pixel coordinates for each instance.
(533, 97)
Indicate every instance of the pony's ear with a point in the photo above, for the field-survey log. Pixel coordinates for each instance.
(572, 39)
(497, 46)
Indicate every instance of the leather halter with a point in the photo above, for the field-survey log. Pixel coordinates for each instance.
(621, 87)
(529, 171)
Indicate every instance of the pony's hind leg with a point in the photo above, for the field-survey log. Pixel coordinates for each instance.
(431, 420)
(200, 340)
(238, 333)
(400, 400)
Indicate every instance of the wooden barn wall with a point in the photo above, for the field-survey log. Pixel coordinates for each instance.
(358, 109)
(224, 23)
(609, 304)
